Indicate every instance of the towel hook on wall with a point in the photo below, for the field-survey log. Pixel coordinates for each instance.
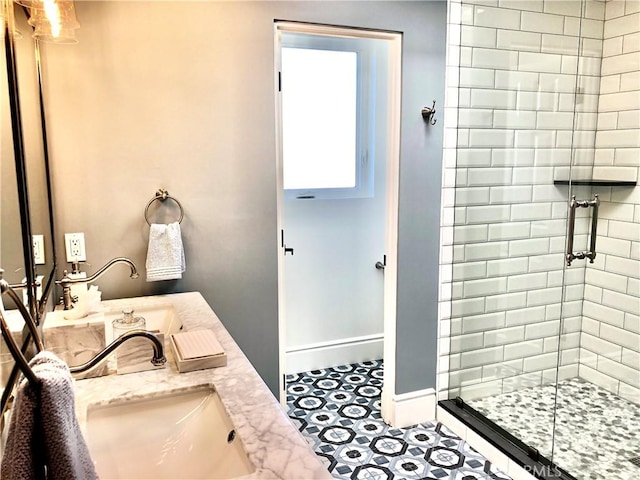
(429, 112)
(162, 195)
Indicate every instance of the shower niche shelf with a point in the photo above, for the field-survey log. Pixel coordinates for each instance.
(599, 183)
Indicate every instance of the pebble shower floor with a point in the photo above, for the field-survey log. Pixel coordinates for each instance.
(338, 412)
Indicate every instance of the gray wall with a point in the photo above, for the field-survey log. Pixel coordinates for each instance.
(181, 96)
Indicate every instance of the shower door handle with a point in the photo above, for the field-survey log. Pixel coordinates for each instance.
(573, 205)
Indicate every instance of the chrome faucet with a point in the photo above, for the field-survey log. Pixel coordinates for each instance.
(157, 360)
(66, 282)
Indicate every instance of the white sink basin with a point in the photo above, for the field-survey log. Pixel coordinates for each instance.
(178, 436)
(161, 317)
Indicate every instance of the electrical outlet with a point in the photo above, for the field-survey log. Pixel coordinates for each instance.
(38, 249)
(75, 247)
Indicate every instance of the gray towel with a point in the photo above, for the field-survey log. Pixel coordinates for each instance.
(165, 255)
(44, 440)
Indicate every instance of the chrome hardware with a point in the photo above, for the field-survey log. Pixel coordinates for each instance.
(380, 265)
(429, 112)
(162, 195)
(573, 205)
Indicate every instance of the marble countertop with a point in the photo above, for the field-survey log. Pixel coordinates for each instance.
(273, 444)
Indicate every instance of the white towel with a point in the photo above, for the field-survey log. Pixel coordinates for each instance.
(165, 255)
(44, 439)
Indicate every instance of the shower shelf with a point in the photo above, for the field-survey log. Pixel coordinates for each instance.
(599, 183)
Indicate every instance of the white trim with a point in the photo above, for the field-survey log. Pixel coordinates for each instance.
(412, 408)
(338, 352)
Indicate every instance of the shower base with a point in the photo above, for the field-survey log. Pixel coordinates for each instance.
(596, 431)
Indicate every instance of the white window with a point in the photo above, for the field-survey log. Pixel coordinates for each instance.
(325, 117)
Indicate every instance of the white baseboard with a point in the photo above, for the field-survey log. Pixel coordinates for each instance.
(411, 408)
(337, 352)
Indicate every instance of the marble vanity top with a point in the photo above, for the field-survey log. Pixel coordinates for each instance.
(273, 444)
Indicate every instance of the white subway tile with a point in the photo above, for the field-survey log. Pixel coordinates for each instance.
(620, 63)
(544, 297)
(612, 46)
(523, 349)
(482, 323)
(532, 175)
(547, 193)
(614, 9)
(537, 211)
(630, 81)
(614, 210)
(507, 266)
(481, 390)
(491, 58)
(622, 372)
(586, 121)
(509, 231)
(629, 195)
(592, 293)
(468, 306)
(469, 270)
(525, 316)
(603, 313)
(520, 41)
(475, 118)
(486, 251)
(536, 101)
(555, 120)
(539, 62)
(559, 44)
(563, 7)
(476, 77)
(548, 228)
(527, 380)
(606, 280)
(478, 36)
(609, 84)
(629, 119)
(618, 138)
(534, 246)
(534, 138)
(510, 194)
(491, 138)
(623, 266)
(614, 246)
(514, 119)
(503, 336)
(592, 28)
(466, 56)
(502, 157)
(540, 362)
(466, 14)
(571, 26)
(631, 358)
(607, 121)
(470, 234)
(482, 98)
(487, 286)
(631, 7)
(632, 322)
(622, 25)
(591, 375)
(594, 9)
(582, 138)
(541, 22)
(566, 102)
(616, 102)
(588, 84)
(629, 393)
(465, 343)
(497, 17)
(513, 80)
(569, 64)
(532, 5)
(589, 66)
(619, 337)
(498, 303)
(604, 156)
(591, 47)
(554, 157)
(517, 283)
(599, 346)
(480, 357)
(631, 43)
(471, 196)
(489, 176)
(633, 287)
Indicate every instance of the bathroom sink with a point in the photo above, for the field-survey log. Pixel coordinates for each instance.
(160, 317)
(186, 435)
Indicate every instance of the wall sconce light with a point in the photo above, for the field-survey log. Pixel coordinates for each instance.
(429, 112)
(53, 21)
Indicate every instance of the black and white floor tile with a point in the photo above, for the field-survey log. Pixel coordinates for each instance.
(338, 411)
(595, 433)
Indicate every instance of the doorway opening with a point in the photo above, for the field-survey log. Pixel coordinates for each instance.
(338, 136)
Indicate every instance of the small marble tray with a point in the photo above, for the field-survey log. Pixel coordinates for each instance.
(197, 350)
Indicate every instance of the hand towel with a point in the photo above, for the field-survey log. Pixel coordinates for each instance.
(44, 440)
(165, 255)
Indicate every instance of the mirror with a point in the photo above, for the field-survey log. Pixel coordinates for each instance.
(34, 216)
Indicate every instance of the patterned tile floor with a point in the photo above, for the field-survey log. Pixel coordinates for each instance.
(338, 411)
(596, 432)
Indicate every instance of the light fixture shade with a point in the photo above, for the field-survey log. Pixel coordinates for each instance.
(44, 33)
(54, 21)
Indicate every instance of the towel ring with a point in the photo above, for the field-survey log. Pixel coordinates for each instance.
(162, 195)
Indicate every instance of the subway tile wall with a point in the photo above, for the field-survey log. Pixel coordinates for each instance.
(515, 75)
(610, 333)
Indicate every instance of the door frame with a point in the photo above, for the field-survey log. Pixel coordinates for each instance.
(391, 201)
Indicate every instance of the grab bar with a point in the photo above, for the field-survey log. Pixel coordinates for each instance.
(573, 205)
